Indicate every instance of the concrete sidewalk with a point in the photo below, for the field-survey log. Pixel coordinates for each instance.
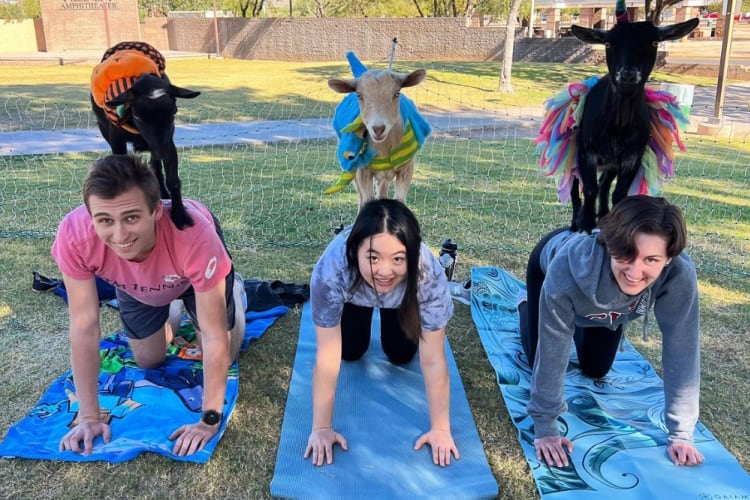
(458, 124)
(513, 123)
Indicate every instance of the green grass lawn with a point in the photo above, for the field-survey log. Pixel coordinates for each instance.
(484, 192)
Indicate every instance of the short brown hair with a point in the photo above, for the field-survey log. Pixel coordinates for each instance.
(642, 214)
(112, 175)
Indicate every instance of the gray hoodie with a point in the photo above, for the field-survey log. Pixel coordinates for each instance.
(580, 289)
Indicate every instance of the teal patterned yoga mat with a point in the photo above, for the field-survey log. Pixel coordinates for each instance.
(616, 423)
(381, 409)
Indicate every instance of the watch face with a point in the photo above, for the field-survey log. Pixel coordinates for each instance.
(211, 417)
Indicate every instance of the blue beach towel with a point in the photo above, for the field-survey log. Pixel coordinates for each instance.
(616, 423)
(143, 406)
(381, 409)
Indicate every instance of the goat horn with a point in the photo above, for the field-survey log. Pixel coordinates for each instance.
(621, 12)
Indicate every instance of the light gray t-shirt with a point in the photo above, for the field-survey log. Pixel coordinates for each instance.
(330, 288)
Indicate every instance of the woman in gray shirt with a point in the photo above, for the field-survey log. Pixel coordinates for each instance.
(586, 288)
(380, 262)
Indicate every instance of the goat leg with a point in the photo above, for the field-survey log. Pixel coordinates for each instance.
(402, 181)
(156, 163)
(363, 181)
(605, 183)
(382, 183)
(180, 216)
(625, 178)
(575, 200)
(587, 214)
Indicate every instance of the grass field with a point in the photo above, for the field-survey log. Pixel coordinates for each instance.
(484, 191)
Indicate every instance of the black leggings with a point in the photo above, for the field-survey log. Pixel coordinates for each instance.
(596, 346)
(356, 328)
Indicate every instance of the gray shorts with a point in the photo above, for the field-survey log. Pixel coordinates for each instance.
(140, 320)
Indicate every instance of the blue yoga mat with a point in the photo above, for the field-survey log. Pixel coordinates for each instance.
(616, 423)
(382, 410)
(144, 406)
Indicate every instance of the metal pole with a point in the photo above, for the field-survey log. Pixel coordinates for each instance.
(290, 8)
(216, 31)
(726, 45)
(531, 20)
(106, 23)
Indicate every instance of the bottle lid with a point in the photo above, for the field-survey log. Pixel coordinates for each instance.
(450, 245)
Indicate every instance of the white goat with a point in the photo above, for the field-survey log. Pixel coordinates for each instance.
(379, 95)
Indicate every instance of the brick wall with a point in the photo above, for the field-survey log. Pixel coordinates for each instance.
(293, 39)
(154, 31)
(328, 40)
(80, 24)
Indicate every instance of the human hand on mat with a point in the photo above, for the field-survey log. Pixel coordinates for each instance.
(551, 450)
(442, 445)
(86, 432)
(192, 437)
(320, 445)
(684, 454)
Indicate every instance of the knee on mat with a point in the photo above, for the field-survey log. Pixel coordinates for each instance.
(595, 372)
(148, 364)
(400, 358)
(352, 356)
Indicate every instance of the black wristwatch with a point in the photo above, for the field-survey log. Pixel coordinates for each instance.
(211, 417)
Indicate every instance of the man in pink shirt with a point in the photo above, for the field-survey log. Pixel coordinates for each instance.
(124, 235)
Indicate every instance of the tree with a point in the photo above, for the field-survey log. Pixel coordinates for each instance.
(506, 85)
(244, 5)
(23, 9)
(653, 12)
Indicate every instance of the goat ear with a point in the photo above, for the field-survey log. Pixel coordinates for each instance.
(123, 98)
(343, 86)
(184, 93)
(588, 35)
(677, 31)
(414, 78)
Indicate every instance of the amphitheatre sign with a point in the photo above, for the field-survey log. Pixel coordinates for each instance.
(88, 5)
(88, 24)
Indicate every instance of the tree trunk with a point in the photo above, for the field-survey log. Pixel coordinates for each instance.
(416, 4)
(506, 86)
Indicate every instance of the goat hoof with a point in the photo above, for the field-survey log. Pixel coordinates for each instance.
(586, 226)
(182, 220)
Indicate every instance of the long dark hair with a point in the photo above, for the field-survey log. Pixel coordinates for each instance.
(392, 217)
(642, 214)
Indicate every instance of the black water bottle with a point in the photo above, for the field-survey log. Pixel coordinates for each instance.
(447, 257)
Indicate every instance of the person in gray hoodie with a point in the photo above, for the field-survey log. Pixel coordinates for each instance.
(586, 288)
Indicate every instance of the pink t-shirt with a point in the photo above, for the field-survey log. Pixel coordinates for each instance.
(194, 256)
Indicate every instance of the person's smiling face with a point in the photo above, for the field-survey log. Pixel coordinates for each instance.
(125, 224)
(651, 257)
(382, 262)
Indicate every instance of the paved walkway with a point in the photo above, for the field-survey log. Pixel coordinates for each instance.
(521, 123)
(460, 124)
